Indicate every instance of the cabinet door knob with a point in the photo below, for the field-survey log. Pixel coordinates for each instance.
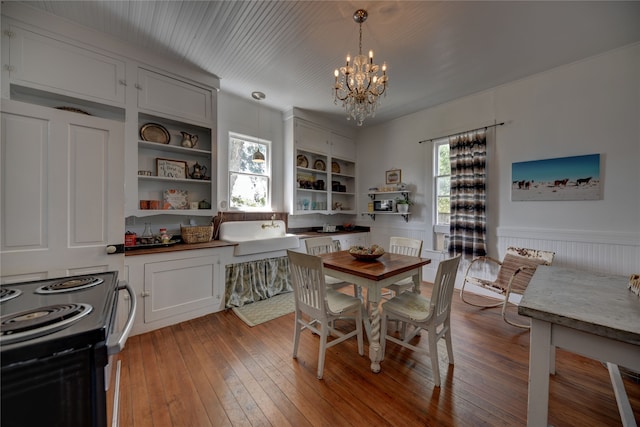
(145, 294)
(122, 82)
(137, 86)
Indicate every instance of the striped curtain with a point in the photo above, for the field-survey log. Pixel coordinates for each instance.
(468, 225)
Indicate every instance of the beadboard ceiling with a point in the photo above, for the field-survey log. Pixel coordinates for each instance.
(435, 51)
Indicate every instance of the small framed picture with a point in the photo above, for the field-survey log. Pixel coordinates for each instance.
(393, 176)
(168, 168)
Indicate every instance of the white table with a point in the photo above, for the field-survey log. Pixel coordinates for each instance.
(374, 275)
(590, 314)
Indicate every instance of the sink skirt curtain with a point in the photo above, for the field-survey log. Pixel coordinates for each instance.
(253, 281)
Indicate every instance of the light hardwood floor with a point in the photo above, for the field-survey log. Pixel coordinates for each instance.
(217, 371)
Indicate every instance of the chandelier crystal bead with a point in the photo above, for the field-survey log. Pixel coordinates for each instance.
(359, 84)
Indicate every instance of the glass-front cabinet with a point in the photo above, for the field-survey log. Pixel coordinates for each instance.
(324, 173)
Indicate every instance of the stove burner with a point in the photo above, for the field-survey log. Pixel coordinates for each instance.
(68, 285)
(36, 322)
(9, 293)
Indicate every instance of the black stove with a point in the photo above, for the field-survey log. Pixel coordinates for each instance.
(90, 329)
(53, 349)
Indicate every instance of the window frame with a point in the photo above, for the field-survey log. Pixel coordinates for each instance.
(440, 230)
(267, 145)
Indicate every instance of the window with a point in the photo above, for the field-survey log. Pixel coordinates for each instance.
(249, 182)
(442, 202)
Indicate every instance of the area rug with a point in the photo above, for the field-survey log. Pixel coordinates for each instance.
(268, 309)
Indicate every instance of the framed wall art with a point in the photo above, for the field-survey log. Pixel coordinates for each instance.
(168, 168)
(564, 178)
(393, 176)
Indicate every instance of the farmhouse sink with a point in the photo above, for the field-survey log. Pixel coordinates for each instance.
(253, 237)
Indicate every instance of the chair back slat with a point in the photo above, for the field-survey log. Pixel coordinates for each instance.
(307, 276)
(321, 245)
(443, 286)
(405, 246)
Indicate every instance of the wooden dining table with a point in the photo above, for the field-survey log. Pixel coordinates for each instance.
(374, 275)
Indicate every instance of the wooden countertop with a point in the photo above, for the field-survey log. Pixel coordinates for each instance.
(302, 234)
(179, 247)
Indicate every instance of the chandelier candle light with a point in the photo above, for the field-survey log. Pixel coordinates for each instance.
(359, 85)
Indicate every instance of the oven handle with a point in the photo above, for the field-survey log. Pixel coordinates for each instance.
(116, 342)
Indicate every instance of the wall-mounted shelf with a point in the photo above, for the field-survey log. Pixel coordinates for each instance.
(372, 215)
(374, 194)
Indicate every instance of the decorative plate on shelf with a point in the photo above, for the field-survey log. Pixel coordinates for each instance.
(154, 132)
(303, 162)
(319, 165)
(335, 167)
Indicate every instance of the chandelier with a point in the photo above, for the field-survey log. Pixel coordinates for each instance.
(359, 84)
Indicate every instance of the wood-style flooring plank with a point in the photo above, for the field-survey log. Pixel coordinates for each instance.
(215, 370)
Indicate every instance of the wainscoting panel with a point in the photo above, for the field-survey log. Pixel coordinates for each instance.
(610, 253)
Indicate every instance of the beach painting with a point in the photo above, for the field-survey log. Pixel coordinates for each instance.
(565, 178)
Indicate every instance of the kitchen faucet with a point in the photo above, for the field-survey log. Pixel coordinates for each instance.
(272, 225)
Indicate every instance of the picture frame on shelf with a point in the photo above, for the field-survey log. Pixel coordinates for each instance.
(168, 168)
(393, 176)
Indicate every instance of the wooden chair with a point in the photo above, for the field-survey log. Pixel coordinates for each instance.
(404, 246)
(321, 305)
(430, 314)
(323, 245)
(514, 275)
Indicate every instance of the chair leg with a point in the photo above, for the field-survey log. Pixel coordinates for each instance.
(447, 338)
(323, 348)
(504, 313)
(464, 282)
(433, 352)
(359, 332)
(296, 334)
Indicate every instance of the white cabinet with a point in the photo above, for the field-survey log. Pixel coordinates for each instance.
(324, 171)
(173, 287)
(146, 194)
(160, 94)
(176, 107)
(44, 63)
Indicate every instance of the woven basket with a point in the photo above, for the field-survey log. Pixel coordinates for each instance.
(197, 234)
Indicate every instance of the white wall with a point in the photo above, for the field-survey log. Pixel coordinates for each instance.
(592, 106)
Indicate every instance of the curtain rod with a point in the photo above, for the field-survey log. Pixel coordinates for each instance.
(460, 133)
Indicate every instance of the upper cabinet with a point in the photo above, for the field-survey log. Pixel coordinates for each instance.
(44, 63)
(175, 147)
(55, 66)
(160, 94)
(322, 178)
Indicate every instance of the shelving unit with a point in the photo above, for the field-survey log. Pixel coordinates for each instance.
(153, 187)
(324, 173)
(373, 195)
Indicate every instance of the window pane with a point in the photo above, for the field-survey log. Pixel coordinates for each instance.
(444, 165)
(444, 210)
(241, 157)
(444, 186)
(248, 191)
